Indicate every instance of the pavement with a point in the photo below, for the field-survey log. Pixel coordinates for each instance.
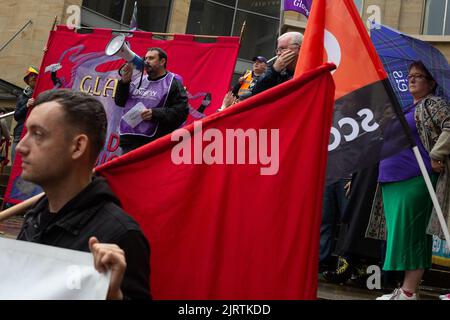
(348, 291)
(326, 291)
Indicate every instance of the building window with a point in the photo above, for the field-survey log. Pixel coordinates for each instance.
(226, 17)
(269, 8)
(260, 35)
(437, 17)
(153, 15)
(112, 9)
(209, 18)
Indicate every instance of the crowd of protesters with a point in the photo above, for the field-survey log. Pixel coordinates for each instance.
(392, 193)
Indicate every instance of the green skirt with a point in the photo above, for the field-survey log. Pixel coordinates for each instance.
(407, 208)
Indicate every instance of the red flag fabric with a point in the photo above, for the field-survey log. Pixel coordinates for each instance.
(312, 52)
(78, 62)
(347, 44)
(235, 218)
(365, 119)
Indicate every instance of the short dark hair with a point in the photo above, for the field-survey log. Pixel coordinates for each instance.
(83, 112)
(161, 53)
(421, 66)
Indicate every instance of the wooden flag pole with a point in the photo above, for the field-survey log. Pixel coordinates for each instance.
(55, 21)
(20, 208)
(281, 17)
(242, 31)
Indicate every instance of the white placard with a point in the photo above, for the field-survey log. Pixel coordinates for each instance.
(133, 117)
(30, 271)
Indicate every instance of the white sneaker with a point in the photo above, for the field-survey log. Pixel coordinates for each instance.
(398, 294)
(445, 296)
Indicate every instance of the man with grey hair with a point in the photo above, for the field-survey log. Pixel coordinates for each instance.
(283, 69)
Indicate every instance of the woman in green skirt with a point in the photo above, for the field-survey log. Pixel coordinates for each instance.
(406, 201)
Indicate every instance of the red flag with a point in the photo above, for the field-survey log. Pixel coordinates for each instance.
(347, 44)
(235, 226)
(364, 112)
(312, 51)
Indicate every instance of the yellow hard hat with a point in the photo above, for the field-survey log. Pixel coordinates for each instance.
(30, 70)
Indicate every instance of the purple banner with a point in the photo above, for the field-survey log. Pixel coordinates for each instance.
(300, 6)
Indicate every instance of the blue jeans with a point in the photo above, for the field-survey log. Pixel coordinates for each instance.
(334, 204)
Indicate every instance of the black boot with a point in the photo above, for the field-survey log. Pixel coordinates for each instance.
(342, 273)
(360, 275)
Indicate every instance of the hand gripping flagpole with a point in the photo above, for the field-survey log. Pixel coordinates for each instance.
(419, 159)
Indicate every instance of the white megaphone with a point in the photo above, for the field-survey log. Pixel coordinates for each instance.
(118, 46)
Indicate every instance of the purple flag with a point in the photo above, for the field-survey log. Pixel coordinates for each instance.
(300, 6)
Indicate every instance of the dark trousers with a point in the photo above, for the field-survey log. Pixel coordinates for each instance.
(334, 204)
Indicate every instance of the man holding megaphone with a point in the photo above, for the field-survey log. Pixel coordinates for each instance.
(153, 108)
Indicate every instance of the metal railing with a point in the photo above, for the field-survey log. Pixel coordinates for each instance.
(15, 35)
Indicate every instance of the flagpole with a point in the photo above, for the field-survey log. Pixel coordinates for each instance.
(134, 22)
(281, 17)
(242, 31)
(20, 208)
(432, 193)
(45, 49)
(55, 21)
(398, 110)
